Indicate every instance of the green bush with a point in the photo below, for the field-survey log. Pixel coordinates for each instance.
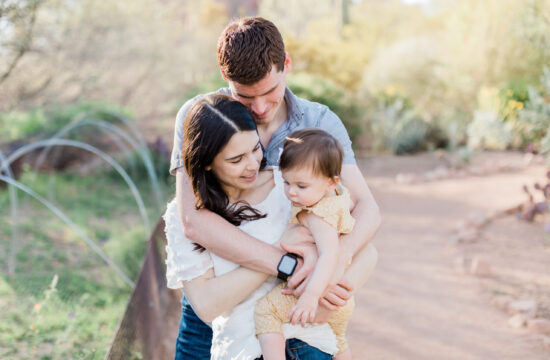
(20, 125)
(534, 118)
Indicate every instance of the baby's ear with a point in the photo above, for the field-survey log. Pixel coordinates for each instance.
(333, 182)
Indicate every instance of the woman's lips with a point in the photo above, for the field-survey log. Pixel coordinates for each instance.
(250, 178)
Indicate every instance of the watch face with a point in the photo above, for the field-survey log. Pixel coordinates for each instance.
(287, 265)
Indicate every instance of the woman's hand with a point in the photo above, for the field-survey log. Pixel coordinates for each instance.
(297, 234)
(308, 252)
(304, 310)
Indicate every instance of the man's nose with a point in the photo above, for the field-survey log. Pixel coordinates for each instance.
(258, 106)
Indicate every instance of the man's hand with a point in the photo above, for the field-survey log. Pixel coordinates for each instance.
(337, 295)
(334, 297)
(308, 252)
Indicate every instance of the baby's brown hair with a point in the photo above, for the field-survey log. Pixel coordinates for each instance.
(313, 147)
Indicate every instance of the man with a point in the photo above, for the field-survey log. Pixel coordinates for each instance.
(254, 63)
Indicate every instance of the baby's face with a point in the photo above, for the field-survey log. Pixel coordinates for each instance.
(303, 188)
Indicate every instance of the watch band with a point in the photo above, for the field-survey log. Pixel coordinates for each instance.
(281, 275)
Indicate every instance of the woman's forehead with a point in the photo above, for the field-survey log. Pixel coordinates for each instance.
(240, 143)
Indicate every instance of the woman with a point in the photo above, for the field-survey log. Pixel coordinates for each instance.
(223, 158)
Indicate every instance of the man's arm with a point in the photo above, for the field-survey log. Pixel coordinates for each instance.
(365, 212)
(219, 236)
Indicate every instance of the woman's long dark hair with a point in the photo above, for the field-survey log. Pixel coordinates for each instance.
(209, 125)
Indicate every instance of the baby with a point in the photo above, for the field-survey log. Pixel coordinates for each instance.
(310, 163)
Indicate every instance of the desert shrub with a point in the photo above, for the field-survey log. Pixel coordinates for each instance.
(488, 131)
(396, 127)
(534, 117)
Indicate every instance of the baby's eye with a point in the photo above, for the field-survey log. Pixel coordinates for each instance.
(286, 183)
(302, 186)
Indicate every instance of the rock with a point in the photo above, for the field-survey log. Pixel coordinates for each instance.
(517, 321)
(539, 326)
(480, 268)
(440, 172)
(407, 178)
(526, 307)
(477, 219)
(502, 302)
(546, 342)
(459, 264)
(467, 235)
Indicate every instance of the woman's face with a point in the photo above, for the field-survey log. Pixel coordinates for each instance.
(236, 166)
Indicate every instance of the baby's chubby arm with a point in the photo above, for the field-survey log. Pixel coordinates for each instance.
(326, 239)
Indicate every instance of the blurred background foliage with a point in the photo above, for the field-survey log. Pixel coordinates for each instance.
(461, 67)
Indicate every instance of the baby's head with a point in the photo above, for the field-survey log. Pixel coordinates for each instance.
(310, 163)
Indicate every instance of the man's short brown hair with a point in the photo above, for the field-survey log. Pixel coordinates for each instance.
(248, 48)
(314, 148)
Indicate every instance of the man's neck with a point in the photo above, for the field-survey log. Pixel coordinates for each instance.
(266, 131)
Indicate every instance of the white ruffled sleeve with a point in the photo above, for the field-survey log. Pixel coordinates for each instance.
(182, 261)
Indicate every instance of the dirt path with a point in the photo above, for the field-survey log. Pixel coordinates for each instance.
(416, 306)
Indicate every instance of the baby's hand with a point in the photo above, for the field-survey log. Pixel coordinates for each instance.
(304, 311)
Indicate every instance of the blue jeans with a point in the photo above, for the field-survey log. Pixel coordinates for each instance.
(195, 339)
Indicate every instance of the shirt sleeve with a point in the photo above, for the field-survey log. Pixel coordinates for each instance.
(176, 160)
(183, 262)
(331, 123)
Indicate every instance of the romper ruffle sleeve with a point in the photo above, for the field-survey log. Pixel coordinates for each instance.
(183, 263)
(335, 210)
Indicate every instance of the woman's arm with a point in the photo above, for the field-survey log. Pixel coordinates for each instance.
(211, 296)
(219, 236)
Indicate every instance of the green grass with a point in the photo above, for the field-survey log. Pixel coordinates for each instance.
(75, 315)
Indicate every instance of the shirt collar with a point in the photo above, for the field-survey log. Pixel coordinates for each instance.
(294, 108)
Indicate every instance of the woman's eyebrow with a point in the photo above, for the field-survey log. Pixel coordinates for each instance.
(236, 156)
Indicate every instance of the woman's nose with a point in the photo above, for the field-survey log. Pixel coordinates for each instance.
(252, 162)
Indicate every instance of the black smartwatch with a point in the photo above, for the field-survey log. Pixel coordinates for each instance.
(287, 265)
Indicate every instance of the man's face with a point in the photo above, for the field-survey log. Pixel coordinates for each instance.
(264, 98)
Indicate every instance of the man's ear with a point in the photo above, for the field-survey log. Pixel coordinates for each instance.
(288, 62)
(223, 75)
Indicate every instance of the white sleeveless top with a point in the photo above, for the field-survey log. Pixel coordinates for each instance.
(233, 332)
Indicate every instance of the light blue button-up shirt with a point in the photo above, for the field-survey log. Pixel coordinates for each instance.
(301, 114)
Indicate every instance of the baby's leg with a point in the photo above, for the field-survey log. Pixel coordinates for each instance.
(270, 314)
(338, 323)
(344, 355)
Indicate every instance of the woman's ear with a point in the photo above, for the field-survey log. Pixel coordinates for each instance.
(208, 168)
